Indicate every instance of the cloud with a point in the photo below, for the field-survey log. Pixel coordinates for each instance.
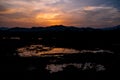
(67, 12)
(101, 16)
(96, 16)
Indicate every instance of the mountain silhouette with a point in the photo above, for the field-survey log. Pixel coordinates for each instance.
(112, 28)
(56, 28)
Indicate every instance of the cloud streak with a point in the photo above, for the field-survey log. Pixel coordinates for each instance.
(96, 13)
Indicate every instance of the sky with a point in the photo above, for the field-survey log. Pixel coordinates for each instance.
(80, 13)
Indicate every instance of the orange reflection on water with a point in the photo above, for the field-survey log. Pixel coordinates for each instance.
(39, 50)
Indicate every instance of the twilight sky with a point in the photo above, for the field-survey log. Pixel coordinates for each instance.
(28, 13)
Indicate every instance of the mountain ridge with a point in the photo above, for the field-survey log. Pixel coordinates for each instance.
(57, 28)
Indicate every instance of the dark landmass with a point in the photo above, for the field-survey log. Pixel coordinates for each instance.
(60, 36)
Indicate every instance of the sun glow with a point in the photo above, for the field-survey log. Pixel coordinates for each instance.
(49, 19)
(48, 16)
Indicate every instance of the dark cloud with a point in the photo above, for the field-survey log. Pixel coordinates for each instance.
(2, 8)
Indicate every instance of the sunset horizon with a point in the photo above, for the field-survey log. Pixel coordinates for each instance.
(60, 39)
(28, 13)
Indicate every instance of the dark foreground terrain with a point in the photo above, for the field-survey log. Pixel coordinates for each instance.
(92, 64)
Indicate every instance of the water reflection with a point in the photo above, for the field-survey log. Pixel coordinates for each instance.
(38, 50)
(41, 50)
(53, 68)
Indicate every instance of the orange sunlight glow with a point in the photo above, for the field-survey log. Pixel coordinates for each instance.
(47, 16)
(48, 19)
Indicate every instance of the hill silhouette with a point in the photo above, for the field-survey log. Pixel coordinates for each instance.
(57, 28)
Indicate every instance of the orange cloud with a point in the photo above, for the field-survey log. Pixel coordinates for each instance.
(8, 11)
(47, 16)
(55, 12)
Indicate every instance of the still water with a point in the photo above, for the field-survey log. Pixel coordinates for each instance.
(41, 50)
(56, 60)
(53, 68)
